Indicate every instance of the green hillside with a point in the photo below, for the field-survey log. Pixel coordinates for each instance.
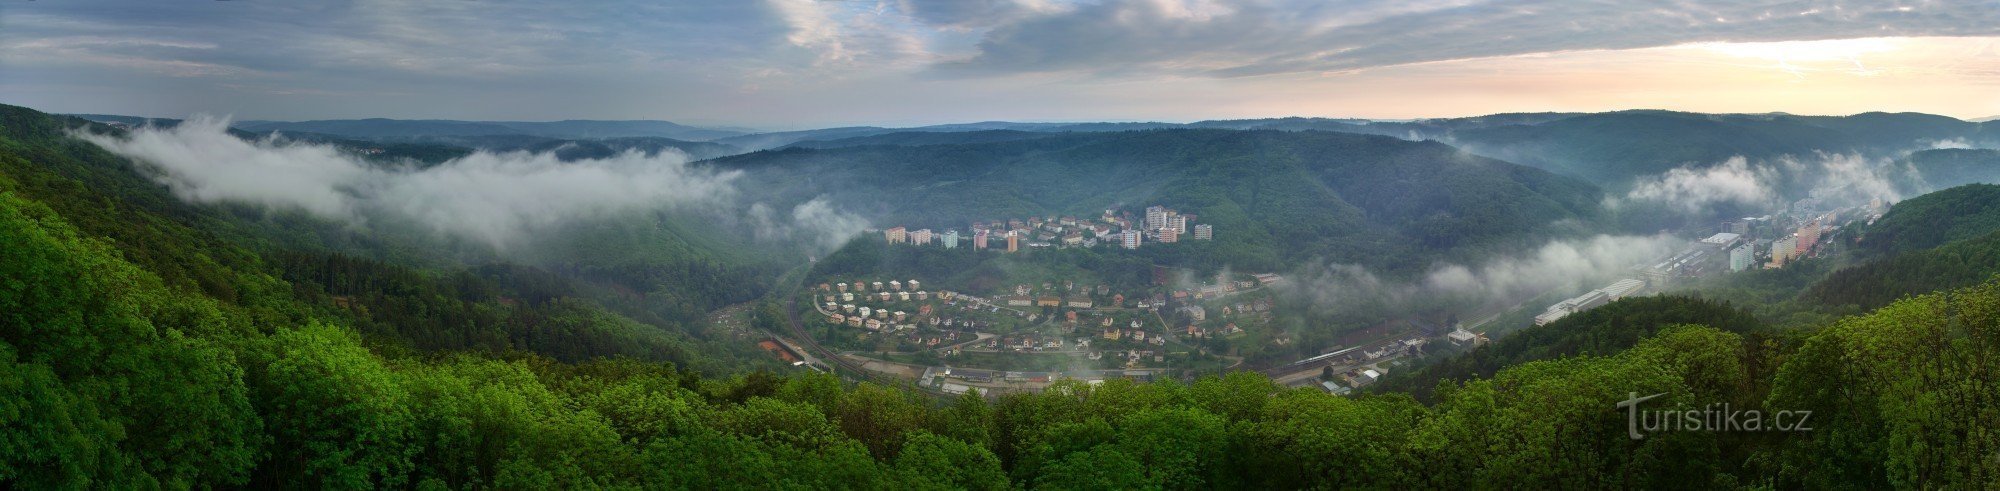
(1880, 281)
(1596, 332)
(1935, 219)
(1930, 170)
(1274, 197)
(1612, 149)
(282, 262)
(123, 382)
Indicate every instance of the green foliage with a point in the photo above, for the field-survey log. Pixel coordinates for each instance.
(278, 269)
(162, 403)
(1596, 332)
(117, 378)
(339, 417)
(1944, 168)
(128, 365)
(1902, 397)
(1880, 281)
(1550, 422)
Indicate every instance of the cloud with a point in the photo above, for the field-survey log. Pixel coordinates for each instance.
(1197, 37)
(501, 199)
(792, 63)
(813, 27)
(969, 13)
(816, 223)
(1835, 178)
(1694, 190)
(826, 226)
(1951, 143)
(1846, 179)
(1565, 265)
(1559, 264)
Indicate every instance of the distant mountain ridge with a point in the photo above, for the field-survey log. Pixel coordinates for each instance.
(383, 128)
(1612, 150)
(1947, 168)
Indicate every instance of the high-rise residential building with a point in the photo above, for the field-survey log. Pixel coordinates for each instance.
(1156, 217)
(921, 237)
(1785, 248)
(979, 240)
(1808, 237)
(1013, 241)
(1130, 239)
(1177, 222)
(1169, 235)
(1204, 232)
(951, 239)
(896, 235)
(1740, 258)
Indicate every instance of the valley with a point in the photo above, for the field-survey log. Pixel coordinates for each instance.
(876, 277)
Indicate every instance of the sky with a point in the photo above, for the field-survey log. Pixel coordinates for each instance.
(793, 64)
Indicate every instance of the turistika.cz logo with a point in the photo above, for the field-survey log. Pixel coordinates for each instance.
(1713, 417)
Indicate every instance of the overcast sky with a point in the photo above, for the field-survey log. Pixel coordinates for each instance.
(786, 64)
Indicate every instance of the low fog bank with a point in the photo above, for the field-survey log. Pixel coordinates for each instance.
(1353, 291)
(502, 200)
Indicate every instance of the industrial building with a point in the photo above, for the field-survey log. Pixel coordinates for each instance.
(1590, 300)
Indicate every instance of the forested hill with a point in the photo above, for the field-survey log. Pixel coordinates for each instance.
(437, 141)
(275, 263)
(1274, 197)
(119, 380)
(916, 138)
(1596, 332)
(1934, 219)
(380, 128)
(1946, 239)
(1946, 168)
(1613, 149)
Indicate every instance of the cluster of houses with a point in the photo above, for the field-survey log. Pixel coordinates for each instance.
(1160, 224)
(1135, 332)
(839, 304)
(1224, 287)
(1031, 342)
(1198, 332)
(1132, 357)
(1070, 295)
(1354, 379)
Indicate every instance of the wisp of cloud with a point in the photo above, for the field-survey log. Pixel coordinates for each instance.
(499, 199)
(1500, 281)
